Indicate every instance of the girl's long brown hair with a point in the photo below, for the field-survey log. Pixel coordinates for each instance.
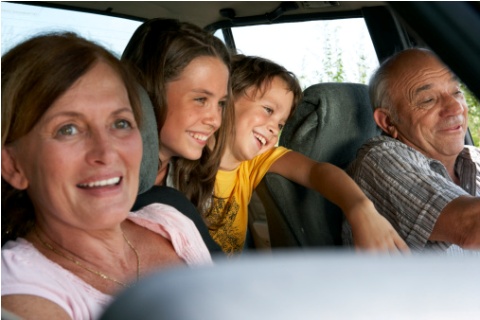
(159, 51)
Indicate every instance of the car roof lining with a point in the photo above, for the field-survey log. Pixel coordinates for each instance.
(205, 13)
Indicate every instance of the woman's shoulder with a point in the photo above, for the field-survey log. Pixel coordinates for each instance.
(26, 271)
(165, 220)
(170, 223)
(158, 213)
(19, 251)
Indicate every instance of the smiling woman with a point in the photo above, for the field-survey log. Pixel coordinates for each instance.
(71, 154)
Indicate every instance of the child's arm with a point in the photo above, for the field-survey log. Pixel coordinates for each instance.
(370, 229)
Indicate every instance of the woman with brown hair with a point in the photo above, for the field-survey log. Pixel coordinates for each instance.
(71, 154)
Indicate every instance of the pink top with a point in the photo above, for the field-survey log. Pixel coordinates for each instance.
(26, 271)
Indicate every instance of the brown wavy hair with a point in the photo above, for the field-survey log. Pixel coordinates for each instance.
(35, 74)
(258, 73)
(159, 50)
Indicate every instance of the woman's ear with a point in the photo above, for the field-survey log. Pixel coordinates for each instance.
(383, 119)
(11, 171)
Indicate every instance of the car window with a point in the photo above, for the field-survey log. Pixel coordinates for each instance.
(324, 51)
(316, 51)
(20, 22)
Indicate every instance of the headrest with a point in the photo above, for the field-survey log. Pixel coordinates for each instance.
(332, 121)
(149, 166)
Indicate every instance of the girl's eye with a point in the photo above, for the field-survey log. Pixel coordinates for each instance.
(280, 126)
(201, 100)
(122, 124)
(268, 110)
(222, 104)
(67, 130)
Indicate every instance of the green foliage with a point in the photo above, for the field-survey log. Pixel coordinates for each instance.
(473, 115)
(334, 72)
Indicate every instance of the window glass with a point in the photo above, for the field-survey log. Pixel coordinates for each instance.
(20, 22)
(316, 51)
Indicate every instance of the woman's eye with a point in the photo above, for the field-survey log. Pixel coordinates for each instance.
(222, 104)
(122, 124)
(280, 126)
(67, 130)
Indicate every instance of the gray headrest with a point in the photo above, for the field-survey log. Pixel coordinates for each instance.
(149, 166)
(331, 123)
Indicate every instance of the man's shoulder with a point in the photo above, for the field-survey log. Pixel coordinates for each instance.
(386, 152)
(385, 146)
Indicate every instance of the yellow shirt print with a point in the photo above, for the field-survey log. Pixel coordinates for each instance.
(233, 190)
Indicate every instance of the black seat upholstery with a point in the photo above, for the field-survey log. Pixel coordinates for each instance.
(331, 123)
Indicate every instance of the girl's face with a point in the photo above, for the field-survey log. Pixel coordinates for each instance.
(80, 163)
(195, 102)
(258, 121)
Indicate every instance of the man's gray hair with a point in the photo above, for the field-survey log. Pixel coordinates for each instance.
(379, 85)
(378, 88)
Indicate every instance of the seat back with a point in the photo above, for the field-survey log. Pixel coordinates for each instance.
(331, 123)
(149, 132)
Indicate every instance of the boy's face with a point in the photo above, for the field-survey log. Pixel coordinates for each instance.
(259, 119)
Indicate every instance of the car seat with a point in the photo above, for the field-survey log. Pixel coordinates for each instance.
(149, 132)
(332, 121)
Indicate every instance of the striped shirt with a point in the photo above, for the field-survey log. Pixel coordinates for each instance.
(411, 190)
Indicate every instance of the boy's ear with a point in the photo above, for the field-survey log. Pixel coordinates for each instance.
(11, 171)
(383, 120)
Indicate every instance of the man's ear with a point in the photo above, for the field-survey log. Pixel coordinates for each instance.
(11, 171)
(383, 119)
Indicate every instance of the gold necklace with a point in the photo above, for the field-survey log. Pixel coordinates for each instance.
(98, 273)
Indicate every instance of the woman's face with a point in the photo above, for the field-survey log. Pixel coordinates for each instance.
(80, 163)
(195, 101)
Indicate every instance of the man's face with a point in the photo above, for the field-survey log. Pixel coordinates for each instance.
(431, 108)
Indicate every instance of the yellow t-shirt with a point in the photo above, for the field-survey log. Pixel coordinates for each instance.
(232, 193)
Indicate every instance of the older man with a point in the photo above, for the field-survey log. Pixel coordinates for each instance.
(419, 173)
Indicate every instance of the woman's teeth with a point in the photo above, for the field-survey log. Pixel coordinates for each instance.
(101, 183)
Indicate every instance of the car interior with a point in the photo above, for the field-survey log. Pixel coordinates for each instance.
(333, 120)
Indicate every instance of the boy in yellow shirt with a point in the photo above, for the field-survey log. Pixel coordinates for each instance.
(265, 95)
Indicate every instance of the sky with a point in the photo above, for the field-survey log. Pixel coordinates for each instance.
(20, 22)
